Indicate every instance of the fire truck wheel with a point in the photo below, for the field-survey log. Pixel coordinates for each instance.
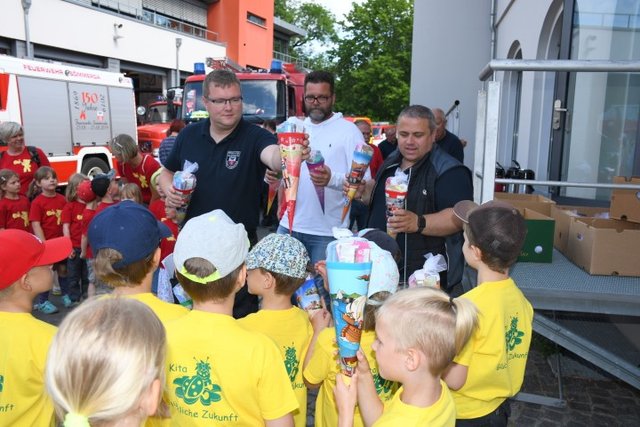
(93, 166)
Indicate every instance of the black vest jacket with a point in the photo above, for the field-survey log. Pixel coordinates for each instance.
(420, 200)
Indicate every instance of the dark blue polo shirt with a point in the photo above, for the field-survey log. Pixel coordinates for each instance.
(230, 173)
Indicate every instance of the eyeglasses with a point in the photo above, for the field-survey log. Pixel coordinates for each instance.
(322, 99)
(221, 102)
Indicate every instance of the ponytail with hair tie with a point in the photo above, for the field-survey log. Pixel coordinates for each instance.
(75, 420)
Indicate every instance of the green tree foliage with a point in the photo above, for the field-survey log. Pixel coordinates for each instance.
(373, 59)
(317, 21)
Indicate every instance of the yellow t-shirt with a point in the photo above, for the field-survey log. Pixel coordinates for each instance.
(24, 343)
(323, 367)
(496, 354)
(291, 331)
(219, 373)
(164, 310)
(397, 413)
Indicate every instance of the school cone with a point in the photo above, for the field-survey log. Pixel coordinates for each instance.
(291, 153)
(315, 162)
(273, 191)
(361, 159)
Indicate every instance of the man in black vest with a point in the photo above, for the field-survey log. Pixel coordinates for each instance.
(437, 182)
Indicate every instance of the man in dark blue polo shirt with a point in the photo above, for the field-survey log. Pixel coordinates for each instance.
(232, 156)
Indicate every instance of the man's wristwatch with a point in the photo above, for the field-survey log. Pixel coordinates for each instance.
(422, 223)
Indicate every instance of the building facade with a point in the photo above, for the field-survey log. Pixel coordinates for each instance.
(155, 42)
(565, 126)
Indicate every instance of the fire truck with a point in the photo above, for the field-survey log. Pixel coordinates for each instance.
(273, 94)
(155, 120)
(71, 113)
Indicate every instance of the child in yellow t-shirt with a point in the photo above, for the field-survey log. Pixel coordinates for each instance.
(218, 372)
(106, 364)
(125, 239)
(25, 272)
(418, 332)
(276, 267)
(321, 366)
(490, 369)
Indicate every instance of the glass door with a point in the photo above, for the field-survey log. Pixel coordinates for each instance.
(596, 116)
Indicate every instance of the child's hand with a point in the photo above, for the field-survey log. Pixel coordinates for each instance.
(83, 254)
(321, 269)
(363, 368)
(320, 319)
(346, 398)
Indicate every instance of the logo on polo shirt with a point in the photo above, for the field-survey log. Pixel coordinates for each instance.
(233, 158)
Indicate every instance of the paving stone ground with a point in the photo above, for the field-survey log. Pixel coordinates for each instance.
(589, 402)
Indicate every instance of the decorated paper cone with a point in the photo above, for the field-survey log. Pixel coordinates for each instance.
(315, 162)
(361, 159)
(307, 296)
(181, 212)
(291, 153)
(184, 182)
(395, 197)
(348, 286)
(273, 190)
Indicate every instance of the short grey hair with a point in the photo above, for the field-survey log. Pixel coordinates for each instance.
(9, 130)
(419, 112)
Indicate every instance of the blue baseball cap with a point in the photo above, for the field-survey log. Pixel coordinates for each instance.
(130, 229)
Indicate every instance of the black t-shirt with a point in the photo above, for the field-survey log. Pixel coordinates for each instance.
(387, 148)
(230, 173)
(452, 145)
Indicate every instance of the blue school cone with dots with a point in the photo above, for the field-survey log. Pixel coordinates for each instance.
(348, 270)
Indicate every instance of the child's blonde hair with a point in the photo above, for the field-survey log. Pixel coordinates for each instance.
(42, 173)
(429, 320)
(5, 176)
(131, 191)
(71, 192)
(104, 357)
(130, 275)
(124, 146)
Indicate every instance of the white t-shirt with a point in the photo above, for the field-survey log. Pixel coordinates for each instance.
(337, 139)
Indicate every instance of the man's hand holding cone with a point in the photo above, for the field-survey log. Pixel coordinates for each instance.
(361, 159)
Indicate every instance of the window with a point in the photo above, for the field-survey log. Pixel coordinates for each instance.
(256, 19)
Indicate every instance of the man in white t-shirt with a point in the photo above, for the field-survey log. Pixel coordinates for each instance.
(336, 138)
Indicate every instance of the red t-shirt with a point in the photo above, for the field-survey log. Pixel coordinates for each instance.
(87, 216)
(157, 208)
(168, 243)
(140, 175)
(376, 161)
(23, 166)
(72, 215)
(48, 211)
(85, 228)
(14, 214)
(102, 206)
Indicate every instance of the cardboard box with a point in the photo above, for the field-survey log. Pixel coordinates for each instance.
(604, 246)
(625, 204)
(564, 215)
(535, 202)
(538, 245)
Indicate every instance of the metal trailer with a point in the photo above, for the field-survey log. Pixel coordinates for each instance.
(572, 308)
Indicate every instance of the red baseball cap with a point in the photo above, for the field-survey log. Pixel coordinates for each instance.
(85, 193)
(21, 251)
